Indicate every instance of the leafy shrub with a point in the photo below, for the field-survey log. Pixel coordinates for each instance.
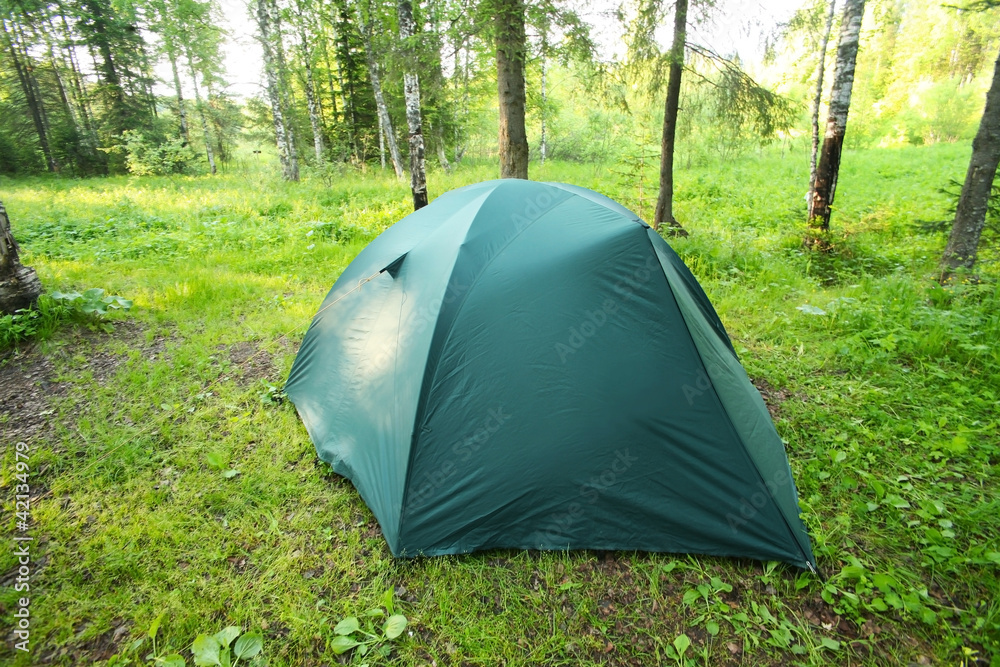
(52, 310)
(218, 649)
(93, 301)
(372, 632)
(28, 323)
(144, 157)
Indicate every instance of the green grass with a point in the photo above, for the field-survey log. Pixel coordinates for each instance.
(887, 401)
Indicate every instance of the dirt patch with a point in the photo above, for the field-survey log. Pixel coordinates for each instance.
(96, 648)
(773, 398)
(251, 363)
(28, 379)
(27, 389)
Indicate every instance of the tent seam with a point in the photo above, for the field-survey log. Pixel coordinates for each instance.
(725, 411)
(415, 435)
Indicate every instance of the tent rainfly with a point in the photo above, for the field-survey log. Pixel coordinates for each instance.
(529, 365)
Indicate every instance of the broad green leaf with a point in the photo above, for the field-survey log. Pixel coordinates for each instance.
(388, 598)
(206, 651)
(347, 626)
(853, 572)
(248, 645)
(883, 582)
(342, 644)
(682, 643)
(172, 660)
(226, 636)
(831, 644)
(394, 626)
(229, 474)
(155, 626)
(712, 627)
(810, 310)
(216, 460)
(374, 611)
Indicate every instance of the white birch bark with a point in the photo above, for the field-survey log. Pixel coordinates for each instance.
(411, 88)
(311, 99)
(825, 184)
(264, 8)
(201, 113)
(383, 110)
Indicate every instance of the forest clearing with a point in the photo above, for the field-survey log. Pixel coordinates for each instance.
(882, 383)
(166, 240)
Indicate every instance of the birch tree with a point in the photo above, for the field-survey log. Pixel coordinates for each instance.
(266, 17)
(200, 107)
(312, 100)
(824, 185)
(411, 84)
(382, 108)
(179, 94)
(818, 97)
(19, 284)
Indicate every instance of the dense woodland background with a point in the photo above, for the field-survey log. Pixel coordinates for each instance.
(78, 93)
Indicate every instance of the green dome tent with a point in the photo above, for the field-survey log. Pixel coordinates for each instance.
(529, 365)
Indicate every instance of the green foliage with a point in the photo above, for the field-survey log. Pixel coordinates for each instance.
(53, 310)
(372, 634)
(144, 157)
(216, 650)
(92, 301)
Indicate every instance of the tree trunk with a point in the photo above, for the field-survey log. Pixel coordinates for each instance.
(19, 284)
(381, 142)
(64, 93)
(201, 114)
(24, 77)
(541, 147)
(108, 69)
(77, 80)
(664, 212)
(383, 110)
(825, 184)
(181, 111)
(511, 50)
(286, 102)
(411, 93)
(818, 98)
(441, 153)
(311, 100)
(459, 135)
(288, 171)
(970, 216)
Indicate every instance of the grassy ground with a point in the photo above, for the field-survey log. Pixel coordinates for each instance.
(884, 387)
